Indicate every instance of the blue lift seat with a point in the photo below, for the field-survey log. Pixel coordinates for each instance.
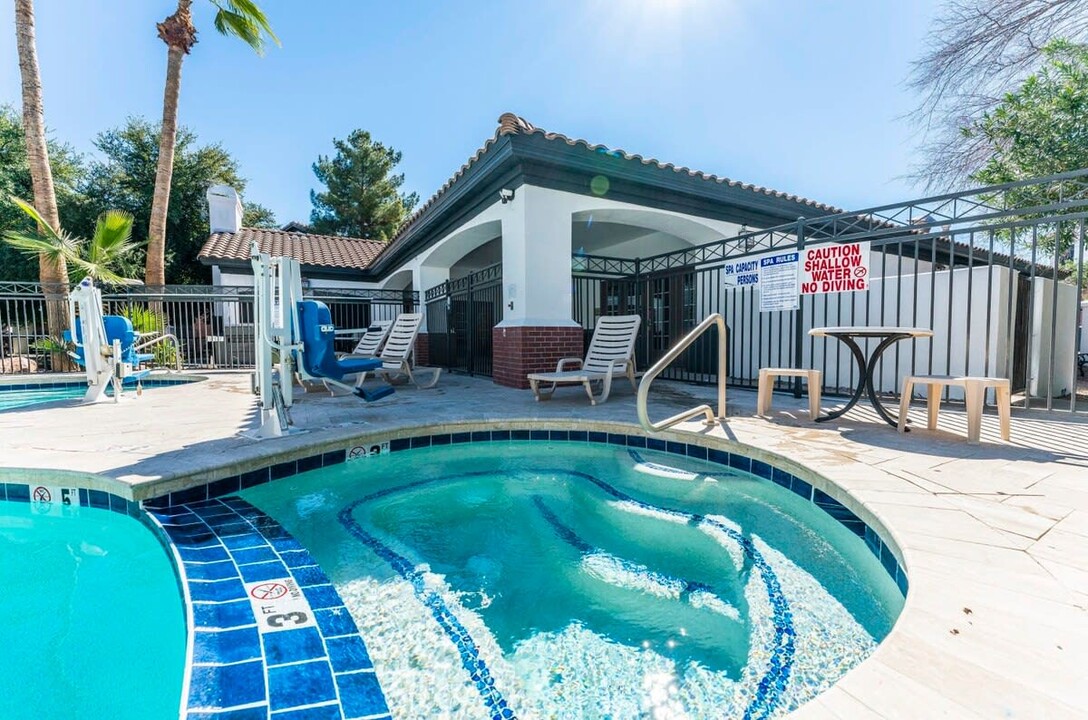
(119, 328)
(319, 353)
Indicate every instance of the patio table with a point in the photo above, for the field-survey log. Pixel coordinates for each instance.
(848, 336)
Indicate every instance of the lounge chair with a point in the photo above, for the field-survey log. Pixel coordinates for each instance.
(397, 353)
(611, 352)
(370, 344)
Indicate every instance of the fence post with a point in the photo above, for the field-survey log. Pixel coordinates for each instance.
(639, 310)
(798, 319)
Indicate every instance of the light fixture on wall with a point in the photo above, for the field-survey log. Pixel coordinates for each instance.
(506, 195)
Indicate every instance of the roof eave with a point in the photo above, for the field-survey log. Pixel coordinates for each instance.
(310, 270)
(495, 158)
(669, 180)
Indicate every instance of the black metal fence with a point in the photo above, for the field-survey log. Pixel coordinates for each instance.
(998, 274)
(213, 324)
(460, 316)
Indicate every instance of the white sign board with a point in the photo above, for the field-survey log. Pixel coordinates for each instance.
(741, 273)
(279, 605)
(773, 273)
(778, 282)
(834, 268)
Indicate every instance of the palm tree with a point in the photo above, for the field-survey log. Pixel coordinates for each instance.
(97, 258)
(239, 18)
(51, 268)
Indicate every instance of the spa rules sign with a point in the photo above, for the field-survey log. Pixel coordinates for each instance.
(834, 268)
(783, 276)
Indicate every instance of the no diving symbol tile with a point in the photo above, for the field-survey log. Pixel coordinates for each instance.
(279, 605)
(364, 451)
(50, 500)
(268, 591)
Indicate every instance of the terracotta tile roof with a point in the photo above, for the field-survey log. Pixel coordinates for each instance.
(317, 250)
(511, 124)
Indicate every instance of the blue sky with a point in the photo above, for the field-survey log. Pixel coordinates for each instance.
(803, 96)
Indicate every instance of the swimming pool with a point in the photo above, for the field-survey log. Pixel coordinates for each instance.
(93, 621)
(19, 395)
(576, 580)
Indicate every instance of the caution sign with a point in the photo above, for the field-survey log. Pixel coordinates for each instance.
(834, 268)
(279, 605)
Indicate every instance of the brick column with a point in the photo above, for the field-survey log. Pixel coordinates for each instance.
(423, 349)
(518, 351)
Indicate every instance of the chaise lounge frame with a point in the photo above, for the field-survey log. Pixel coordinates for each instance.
(611, 352)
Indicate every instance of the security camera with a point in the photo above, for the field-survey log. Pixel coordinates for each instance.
(506, 195)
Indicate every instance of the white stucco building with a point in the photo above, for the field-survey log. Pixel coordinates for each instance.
(519, 208)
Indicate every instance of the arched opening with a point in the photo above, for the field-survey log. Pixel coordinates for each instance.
(633, 233)
(464, 301)
(666, 299)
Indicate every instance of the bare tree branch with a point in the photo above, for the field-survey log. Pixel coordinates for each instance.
(976, 52)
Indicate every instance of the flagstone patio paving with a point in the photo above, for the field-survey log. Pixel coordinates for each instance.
(994, 537)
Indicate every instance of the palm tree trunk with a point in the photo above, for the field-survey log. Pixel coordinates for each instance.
(179, 35)
(53, 274)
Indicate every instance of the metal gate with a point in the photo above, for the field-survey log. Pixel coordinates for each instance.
(460, 316)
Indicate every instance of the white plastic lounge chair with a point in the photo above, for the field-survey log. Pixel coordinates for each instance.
(371, 342)
(611, 352)
(396, 355)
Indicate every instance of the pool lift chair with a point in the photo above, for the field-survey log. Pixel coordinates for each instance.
(294, 336)
(105, 346)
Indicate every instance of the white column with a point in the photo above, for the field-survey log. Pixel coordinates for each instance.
(425, 277)
(536, 260)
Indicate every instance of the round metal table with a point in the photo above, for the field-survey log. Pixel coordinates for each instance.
(848, 336)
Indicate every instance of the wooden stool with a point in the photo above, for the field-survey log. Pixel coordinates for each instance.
(974, 390)
(766, 388)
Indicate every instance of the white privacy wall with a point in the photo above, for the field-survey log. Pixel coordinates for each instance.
(1084, 327)
(978, 342)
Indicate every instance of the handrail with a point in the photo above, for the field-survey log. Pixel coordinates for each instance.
(672, 354)
(162, 338)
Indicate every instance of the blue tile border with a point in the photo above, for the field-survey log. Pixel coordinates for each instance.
(67, 385)
(216, 545)
(224, 545)
(735, 461)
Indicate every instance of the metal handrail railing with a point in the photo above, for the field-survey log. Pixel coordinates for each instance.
(672, 354)
(164, 337)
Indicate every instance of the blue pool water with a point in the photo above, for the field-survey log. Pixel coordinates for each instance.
(93, 623)
(565, 580)
(21, 396)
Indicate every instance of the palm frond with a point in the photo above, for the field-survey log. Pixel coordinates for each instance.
(31, 211)
(112, 237)
(245, 20)
(54, 247)
(100, 272)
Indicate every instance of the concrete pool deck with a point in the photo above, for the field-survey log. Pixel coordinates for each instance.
(994, 537)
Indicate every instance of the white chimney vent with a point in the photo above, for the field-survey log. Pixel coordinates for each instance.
(224, 209)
